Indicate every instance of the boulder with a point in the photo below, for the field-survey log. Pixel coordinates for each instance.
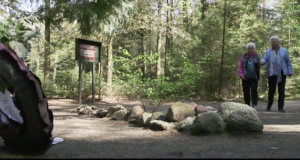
(135, 113)
(119, 115)
(146, 117)
(191, 104)
(209, 108)
(159, 125)
(113, 109)
(185, 124)
(227, 108)
(208, 122)
(244, 121)
(179, 111)
(200, 109)
(101, 113)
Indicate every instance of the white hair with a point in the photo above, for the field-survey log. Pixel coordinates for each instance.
(251, 44)
(275, 38)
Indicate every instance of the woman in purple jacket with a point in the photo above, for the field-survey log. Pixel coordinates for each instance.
(279, 66)
(249, 72)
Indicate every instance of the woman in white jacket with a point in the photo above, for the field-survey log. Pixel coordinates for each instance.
(279, 66)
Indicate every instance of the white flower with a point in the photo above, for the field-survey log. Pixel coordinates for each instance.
(12, 32)
(13, 19)
(25, 39)
(34, 39)
(3, 20)
(28, 34)
(39, 36)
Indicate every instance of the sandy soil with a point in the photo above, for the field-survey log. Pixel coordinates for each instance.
(105, 138)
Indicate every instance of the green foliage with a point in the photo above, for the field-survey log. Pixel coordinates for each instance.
(12, 29)
(92, 14)
(159, 89)
(190, 59)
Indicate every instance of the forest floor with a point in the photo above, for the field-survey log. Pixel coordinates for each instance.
(105, 138)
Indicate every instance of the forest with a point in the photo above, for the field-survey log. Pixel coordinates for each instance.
(151, 49)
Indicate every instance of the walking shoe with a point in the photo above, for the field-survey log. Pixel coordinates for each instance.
(281, 110)
(254, 106)
(268, 109)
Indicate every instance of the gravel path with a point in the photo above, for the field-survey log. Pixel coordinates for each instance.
(105, 138)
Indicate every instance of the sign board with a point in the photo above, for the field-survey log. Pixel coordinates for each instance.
(87, 51)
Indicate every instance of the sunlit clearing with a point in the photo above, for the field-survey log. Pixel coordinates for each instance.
(282, 128)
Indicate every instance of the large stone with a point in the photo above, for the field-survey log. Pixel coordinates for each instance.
(191, 104)
(227, 108)
(179, 111)
(185, 124)
(200, 109)
(101, 113)
(245, 121)
(119, 115)
(146, 117)
(208, 122)
(159, 125)
(113, 109)
(94, 107)
(81, 107)
(209, 108)
(136, 112)
(126, 118)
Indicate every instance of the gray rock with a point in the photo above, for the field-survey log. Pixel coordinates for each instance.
(227, 108)
(146, 117)
(81, 110)
(244, 121)
(200, 109)
(209, 108)
(101, 113)
(179, 111)
(126, 118)
(136, 112)
(81, 106)
(160, 125)
(94, 107)
(191, 104)
(143, 119)
(185, 124)
(208, 122)
(113, 109)
(119, 115)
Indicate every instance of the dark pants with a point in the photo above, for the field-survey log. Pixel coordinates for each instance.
(272, 88)
(250, 84)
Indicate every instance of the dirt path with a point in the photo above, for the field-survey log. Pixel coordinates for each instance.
(105, 138)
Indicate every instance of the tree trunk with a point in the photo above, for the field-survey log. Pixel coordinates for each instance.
(151, 54)
(99, 79)
(185, 12)
(167, 47)
(223, 50)
(158, 64)
(110, 64)
(55, 66)
(264, 81)
(143, 64)
(204, 8)
(99, 72)
(171, 35)
(47, 46)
